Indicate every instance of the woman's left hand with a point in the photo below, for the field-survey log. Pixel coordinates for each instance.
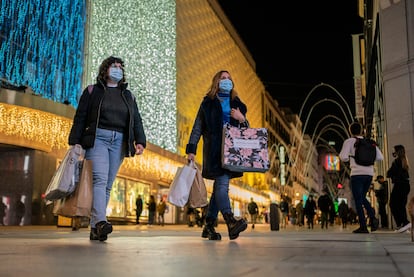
(139, 149)
(237, 114)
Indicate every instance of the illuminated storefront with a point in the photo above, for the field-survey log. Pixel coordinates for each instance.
(167, 39)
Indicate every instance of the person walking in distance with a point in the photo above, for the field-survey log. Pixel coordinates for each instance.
(300, 212)
(253, 210)
(139, 207)
(152, 208)
(108, 125)
(284, 208)
(381, 192)
(310, 211)
(3, 209)
(398, 172)
(161, 207)
(325, 205)
(221, 105)
(361, 178)
(343, 213)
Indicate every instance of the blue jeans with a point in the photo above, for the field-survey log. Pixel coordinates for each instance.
(107, 156)
(360, 185)
(219, 200)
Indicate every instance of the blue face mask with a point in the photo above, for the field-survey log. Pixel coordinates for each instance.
(115, 74)
(225, 85)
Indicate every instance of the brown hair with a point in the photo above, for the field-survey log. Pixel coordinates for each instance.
(214, 87)
(400, 151)
(103, 69)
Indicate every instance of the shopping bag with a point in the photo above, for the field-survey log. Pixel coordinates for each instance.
(245, 149)
(79, 203)
(181, 185)
(66, 175)
(198, 192)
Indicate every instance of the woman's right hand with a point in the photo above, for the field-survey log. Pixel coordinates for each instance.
(190, 157)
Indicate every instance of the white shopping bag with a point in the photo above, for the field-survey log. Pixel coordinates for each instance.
(181, 185)
(64, 180)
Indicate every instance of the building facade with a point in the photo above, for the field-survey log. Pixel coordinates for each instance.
(172, 50)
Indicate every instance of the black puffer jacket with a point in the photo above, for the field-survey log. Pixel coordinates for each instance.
(209, 124)
(86, 119)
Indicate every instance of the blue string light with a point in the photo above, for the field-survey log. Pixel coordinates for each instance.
(42, 46)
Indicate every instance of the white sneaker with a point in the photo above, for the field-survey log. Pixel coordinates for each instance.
(404, 228)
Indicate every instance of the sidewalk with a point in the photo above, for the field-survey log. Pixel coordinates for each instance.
(178, 250)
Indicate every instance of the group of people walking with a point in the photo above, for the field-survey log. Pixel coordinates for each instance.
(361, 181)
(108, 125)
(153, 209)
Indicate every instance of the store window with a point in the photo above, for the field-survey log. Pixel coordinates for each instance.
(123, 195)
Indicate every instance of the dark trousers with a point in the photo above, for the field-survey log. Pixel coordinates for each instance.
(360, 185)
(398, 203)
(383, 213)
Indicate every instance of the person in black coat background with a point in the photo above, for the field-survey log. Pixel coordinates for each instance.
(310, 211)
(221, 105)
(139, 207)
(400, 178)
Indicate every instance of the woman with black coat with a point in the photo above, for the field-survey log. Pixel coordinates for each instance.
(221, 105)
(400, 178)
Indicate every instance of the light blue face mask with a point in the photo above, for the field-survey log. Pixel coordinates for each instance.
(225, 85)
(115, 74)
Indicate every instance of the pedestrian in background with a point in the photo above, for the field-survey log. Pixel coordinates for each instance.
(361, 178)
(221, 105)
(284, 209)
(20, 211)
(161, 207)
(139, 207)
(310, 211)
(325, 205)
(398, 172)
(381, 192)
(253, 211)
(299, 212)
(108, 125)
(152, 208)
(3, 209)
(343, 213)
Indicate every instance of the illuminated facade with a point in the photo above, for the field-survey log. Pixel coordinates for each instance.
(171, 49)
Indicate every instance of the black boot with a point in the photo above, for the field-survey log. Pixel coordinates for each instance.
(235, 226)
(209, 231)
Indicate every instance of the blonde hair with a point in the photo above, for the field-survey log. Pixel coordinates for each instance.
(214, 87)
(400, 151)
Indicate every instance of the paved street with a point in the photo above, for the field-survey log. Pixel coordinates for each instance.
(180, 251)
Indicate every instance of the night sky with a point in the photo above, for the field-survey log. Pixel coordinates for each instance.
(297, 45)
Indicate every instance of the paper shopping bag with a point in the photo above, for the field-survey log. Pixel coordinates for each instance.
(181, 185)
(198, 192)
(79, 203)
(245, 149)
